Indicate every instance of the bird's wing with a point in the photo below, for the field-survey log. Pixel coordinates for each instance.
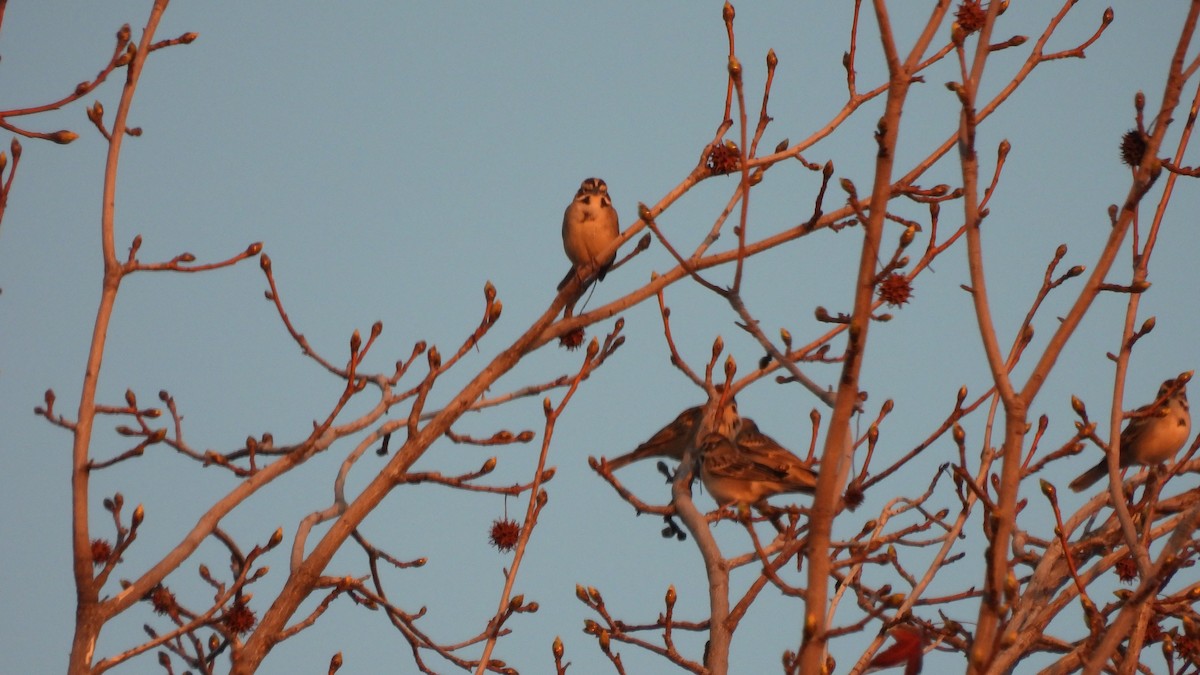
(722, 458)
(669, 441)
(767, 453)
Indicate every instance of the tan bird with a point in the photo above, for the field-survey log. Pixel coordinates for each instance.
(672, 440)
(589, 229)
(1157, 432)
(750, 467)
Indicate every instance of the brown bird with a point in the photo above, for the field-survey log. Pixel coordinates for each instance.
(589, 228)
(1153, 436)
(672, 440)
(750, 467)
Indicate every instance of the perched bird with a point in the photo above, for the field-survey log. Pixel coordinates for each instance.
(1158, 431)
(672, 440)
(589, 228)
(750, 466)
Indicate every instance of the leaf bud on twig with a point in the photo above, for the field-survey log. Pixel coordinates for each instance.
(63, 137)
(1078, 406)
(1147, 326)
(718, 346)
(1047, 488)
(735, 68)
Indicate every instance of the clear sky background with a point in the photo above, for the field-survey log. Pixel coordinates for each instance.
(395, 157)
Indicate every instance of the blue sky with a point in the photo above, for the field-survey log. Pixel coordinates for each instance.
(393, 160)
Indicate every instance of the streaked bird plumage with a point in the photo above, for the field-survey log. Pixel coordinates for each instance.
(749, 466)
(674, 439)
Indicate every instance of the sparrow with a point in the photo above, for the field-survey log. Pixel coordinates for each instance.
(589, 228)
(749, 466)
(672, 440)
(1156, 432)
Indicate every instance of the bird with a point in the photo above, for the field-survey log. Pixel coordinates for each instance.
(674, 439)
(1156, 432)
(749, 466)
(589, 229)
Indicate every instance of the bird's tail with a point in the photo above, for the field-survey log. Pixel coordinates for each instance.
(1090, 477)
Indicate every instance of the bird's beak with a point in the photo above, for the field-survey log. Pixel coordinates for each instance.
(1184, 377)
